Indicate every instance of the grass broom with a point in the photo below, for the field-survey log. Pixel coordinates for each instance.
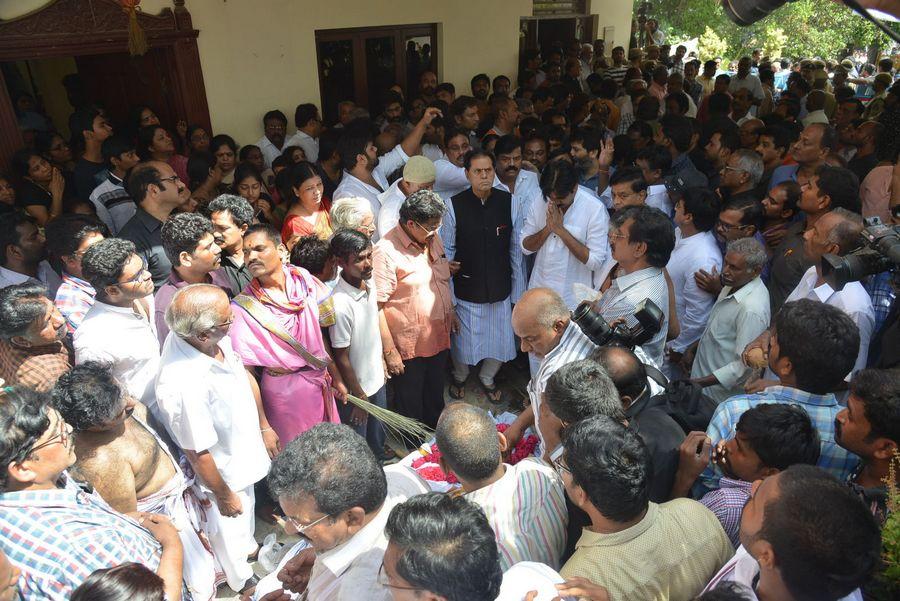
(404, 428)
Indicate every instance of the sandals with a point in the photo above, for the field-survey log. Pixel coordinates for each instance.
(457, 389)
(494, 394)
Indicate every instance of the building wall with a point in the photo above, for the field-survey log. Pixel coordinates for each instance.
(260, 54)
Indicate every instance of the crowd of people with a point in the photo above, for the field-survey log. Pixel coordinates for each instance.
(187, 326)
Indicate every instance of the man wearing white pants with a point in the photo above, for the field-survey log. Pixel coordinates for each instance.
(212, 411)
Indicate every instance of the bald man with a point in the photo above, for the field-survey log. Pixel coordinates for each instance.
(212, 409)
(543, 323)
(524, 503)
(661, 434)
(749, 133)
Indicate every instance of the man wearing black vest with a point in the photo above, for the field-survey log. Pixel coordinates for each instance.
(478, 235)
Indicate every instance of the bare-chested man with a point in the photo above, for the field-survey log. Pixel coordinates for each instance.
(128, 464)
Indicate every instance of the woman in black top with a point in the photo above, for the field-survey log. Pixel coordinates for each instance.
(7, 195)
(41, 188)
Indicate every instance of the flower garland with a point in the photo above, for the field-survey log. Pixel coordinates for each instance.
(428, 466)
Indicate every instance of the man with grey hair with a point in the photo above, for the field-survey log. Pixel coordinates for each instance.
(740, 314)
(741, 174)
(336, 495)
(546, 331)
(524, 503)
(412, 280)
(211, 407)
(837, 232)
(353, 213)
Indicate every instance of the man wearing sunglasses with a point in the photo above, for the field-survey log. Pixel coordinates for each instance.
(42, 507)
(119, 328)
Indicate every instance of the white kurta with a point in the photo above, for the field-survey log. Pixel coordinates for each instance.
(485, 329)
(351, 186)
(555, 266)
(527, 191)
(692, 304)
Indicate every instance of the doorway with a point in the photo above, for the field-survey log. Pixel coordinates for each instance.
(362, 64)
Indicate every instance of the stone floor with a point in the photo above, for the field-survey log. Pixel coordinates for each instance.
(512, 380)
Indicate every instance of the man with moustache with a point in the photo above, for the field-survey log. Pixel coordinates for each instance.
(272, 143)
(34, 350)
(449, 171)
(277, 333)
(119, 327)
(196, 258)
(585, 152)
(157, 191)
(211, 407)
(803, 536)
(525, 190)
(478, 235)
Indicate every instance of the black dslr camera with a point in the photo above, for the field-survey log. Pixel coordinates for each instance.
(649, 321)
(879, 251)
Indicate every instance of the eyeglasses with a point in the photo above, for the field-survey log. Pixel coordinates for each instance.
(728, 227)
(385, 582)
(62, 436)
(301, 528)
(224, 324)
(426, 230)
(805, 185)
(561, 467)
(173, 179)
(730, 168)
(613, 236)
(140, 276)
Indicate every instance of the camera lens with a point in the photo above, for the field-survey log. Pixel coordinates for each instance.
(747, 12)
(592, 323)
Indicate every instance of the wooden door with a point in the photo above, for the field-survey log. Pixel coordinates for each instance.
(119, 82)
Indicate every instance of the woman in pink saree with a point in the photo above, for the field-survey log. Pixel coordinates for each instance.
(295, 383)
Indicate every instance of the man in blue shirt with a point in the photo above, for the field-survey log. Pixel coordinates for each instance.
(812, 347)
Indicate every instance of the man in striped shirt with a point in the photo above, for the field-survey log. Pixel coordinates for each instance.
(524, 503)
(617, 71)
(543, 323)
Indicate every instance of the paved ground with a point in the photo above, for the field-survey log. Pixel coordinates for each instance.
(512, 380)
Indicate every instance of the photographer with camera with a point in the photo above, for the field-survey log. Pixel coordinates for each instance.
(641, 240)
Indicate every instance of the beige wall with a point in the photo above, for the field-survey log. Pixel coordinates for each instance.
(260, 54)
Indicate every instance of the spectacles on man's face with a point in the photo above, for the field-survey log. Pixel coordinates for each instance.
(727, 227)
(301, 528)
(140, 276)
(384, 581)
(61, 436)
(561, 467)
(171, 178)
(429, 231)
(730, 168)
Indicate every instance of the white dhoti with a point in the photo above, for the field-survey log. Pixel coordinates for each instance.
(232, 538)
(176, 500)
(485, 332)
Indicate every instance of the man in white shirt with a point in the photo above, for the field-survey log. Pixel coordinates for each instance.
(655, 162)
(450, 173)
(815, 107)
(743, 79)
(356, 335)
(567, 227)
(309, 128)
(641, 240)
(696, 213)
(740, 314)
(119, 329)
(525, 190)
(24, 249)
(804, 535)
(524, 503)
(210, 406)
(365, 173)
(544, 325)
(335, 494)
(837, 232)
(418, 174)
(272, 143)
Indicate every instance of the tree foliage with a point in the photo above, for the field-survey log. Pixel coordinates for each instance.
(805, 28)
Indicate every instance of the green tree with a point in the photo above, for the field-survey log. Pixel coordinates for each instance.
(805, 28)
